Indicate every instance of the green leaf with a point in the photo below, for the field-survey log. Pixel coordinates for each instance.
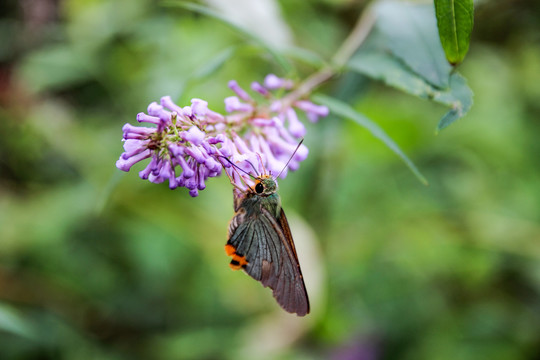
(458, 97)
(382, 66)
(409, 32)
(282, 61)
(13, 321)
(390, 70)
(455, 20)
(342, 109)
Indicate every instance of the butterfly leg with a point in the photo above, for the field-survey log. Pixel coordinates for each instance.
(231, 179)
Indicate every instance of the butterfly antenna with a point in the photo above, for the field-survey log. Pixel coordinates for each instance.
(253, 166)
(236, 166)
(288, 161)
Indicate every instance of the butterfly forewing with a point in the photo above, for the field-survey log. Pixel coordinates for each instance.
(300, 288)
(260, 243)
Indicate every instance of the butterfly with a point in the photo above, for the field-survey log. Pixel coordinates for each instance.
(260, 243)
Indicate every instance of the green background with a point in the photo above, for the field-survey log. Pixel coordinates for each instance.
(98, 264)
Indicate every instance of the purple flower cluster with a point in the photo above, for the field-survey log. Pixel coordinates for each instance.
(188, 145)
(184, 138)
(272, 130)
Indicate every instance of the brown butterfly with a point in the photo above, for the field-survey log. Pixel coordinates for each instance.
(260, 243)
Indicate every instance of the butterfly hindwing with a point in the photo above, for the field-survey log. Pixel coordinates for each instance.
(262, 246)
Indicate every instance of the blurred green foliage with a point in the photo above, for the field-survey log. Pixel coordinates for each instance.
(98, 264)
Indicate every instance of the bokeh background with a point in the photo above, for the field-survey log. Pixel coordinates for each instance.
(98, 264)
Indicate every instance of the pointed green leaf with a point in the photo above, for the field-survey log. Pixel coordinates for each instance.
(342, 109)
(373, 61)
(455, 20)
(384, 67)
(409, 32)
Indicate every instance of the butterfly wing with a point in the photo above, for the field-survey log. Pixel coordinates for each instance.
(263, 247)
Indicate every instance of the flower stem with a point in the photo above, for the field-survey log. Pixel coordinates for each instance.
(308, 85)
(357, 36)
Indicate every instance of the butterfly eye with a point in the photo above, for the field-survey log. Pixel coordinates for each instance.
(259, 188)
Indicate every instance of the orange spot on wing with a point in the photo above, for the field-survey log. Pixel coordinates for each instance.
(240, 259)
(234, 266)
(238, 262)
(230, 250)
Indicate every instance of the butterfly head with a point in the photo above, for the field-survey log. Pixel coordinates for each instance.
(265, 185)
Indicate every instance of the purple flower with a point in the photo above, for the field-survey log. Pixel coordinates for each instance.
(272, 82)
(296, 128)
(125, 163)
(187, 145)
(232, 103)
(313, 112)
(242, 94)
(194, 135)
(255, 86)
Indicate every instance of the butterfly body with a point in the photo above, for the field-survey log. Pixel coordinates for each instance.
(260, 243)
